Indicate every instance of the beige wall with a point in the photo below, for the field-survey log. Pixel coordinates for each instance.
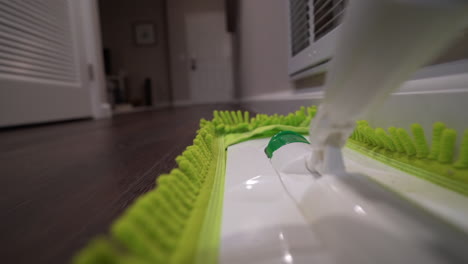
(262, 47)
(139, 62)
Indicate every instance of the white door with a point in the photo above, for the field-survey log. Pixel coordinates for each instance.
(210, 58)
(43, 70)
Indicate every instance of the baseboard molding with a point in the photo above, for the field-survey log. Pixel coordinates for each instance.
(425, 100)
(105, 111)
(430, 80)
(179, 103)
(443, 69)
(432, 72)
(161, 105)
(143, 108)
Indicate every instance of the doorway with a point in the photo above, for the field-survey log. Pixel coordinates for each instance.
(201, 52)
(210, 51)
(135, 52)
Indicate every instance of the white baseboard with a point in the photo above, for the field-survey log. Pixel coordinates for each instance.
(439, 72)
(425, 101)
(190, 102)
(440, 78)
(104, 111)
(161, 105)
(142, 108)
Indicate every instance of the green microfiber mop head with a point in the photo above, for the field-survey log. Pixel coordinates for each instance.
(162, 226)
(179, 221)
(227, 122)
(237, 127)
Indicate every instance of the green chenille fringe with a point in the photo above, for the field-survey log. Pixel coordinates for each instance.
(412, 154)
(180, 220)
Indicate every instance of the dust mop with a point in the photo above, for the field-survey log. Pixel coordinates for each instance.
(242, 193)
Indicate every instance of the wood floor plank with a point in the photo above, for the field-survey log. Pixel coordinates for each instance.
(63, 184)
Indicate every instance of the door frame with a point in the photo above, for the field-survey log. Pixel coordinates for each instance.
(92, 41)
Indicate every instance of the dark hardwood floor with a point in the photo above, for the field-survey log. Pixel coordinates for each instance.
(63, 184)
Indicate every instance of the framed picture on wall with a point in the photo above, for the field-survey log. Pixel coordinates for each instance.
(144, 34)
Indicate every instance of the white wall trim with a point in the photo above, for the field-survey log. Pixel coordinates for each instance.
(160, 105)
(320, 68)
(93, 49)
(137, 109)
(105, 111)
(443, 69)
(445, 77)
(425, 101)
(283, 96)
(190, 102)
(442, 84)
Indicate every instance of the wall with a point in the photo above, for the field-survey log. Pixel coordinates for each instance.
(139, 62)
(457, 51)
(262, 47)
(176, 10)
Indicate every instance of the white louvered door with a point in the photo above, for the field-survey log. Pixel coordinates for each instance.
(43, 73)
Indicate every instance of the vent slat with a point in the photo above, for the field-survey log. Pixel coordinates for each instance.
(318, 7)
(8, 44)
(298, 5)
(45, 58)
(324, 27)
(300, 18)
(327, 16)
(25, 40)
(15, 36)
(33, 74)
(17, 65)
(45, 15)
(301, 37)
(36, 40)
(41, 5)
(335, 7)
(14, 58)
(18, 26)
(33, 15)
(301, 30)
(299, 25)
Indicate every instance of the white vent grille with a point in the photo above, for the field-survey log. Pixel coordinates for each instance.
(36, 40)
(300, 27)
(327, 16)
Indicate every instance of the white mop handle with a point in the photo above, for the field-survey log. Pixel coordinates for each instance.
(382, 43)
